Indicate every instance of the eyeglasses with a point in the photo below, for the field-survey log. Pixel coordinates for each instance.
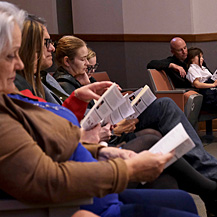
(48, 42)
(91, 68)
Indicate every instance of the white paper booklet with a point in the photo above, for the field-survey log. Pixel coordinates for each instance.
(112, 107)
(176, 139)
(107, 103)
(140, 100)
(123, 111)
(214, 76)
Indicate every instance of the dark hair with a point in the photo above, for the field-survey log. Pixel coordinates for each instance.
(35, 18)
(193, 52)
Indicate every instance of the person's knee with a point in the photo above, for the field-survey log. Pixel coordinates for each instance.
(184, 196)
(166, 104)
(166, 101)
(84, 213)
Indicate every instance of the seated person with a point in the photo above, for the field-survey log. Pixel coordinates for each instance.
(162, 115)
(52, 91)
(202, 79)
(43, 162)
(93, 65)
(181, 166)
(175, 66)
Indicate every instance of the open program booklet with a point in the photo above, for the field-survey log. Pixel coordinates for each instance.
(176, 139)
(112, 107)
(140, 100)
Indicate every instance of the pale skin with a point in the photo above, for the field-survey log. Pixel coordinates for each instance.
(144, 166)
(197, 83)
(180, 51)
(78, 66)
(84, 213)
(47, 60)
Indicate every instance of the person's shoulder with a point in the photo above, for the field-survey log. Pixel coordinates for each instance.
(21, 83)
(59, 72)
(194, 66)
(62, 75)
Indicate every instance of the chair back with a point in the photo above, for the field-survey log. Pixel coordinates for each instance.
(159, 80)
(101, 76)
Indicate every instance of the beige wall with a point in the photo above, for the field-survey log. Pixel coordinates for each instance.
(204, 16)
(144, 16)
(157, 17)
(97, 16)
(43, 8)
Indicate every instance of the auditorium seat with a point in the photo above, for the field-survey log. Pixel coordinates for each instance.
(189, 101)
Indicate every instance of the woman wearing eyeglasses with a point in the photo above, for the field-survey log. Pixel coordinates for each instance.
(93, 65)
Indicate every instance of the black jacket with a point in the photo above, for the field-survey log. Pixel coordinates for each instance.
(66, 80)
(177, 80)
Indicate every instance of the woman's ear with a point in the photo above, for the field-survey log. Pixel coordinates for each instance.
(66, 61)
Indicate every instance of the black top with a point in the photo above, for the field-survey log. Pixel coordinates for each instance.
(22, 84)
(177, 80)
(68, 82)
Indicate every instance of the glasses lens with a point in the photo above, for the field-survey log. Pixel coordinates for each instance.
(95, 66)
(91, 68)
(48, 41)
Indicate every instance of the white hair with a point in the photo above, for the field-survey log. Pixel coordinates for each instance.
(9, 15)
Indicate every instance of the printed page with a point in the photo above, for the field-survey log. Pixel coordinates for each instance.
(133, 95)
(141, 101)
(107, 103)
(120, 113)
(177, 139)
(214, 76)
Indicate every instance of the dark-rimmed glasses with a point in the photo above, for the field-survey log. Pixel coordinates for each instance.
(91, 68)
(48, 42)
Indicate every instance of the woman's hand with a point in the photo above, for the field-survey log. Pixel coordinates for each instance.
(105, 133)
(126, 126)
(91, 136)
(83, 79)
(93, 91)
(147, 166)
(110, 152)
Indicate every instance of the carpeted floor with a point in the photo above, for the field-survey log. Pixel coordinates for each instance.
(211, 147)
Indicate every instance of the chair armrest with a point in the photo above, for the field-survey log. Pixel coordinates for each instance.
(177, 97)
(10, 207)
(170, 92)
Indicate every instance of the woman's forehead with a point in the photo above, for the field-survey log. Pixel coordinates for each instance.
(82, 51)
